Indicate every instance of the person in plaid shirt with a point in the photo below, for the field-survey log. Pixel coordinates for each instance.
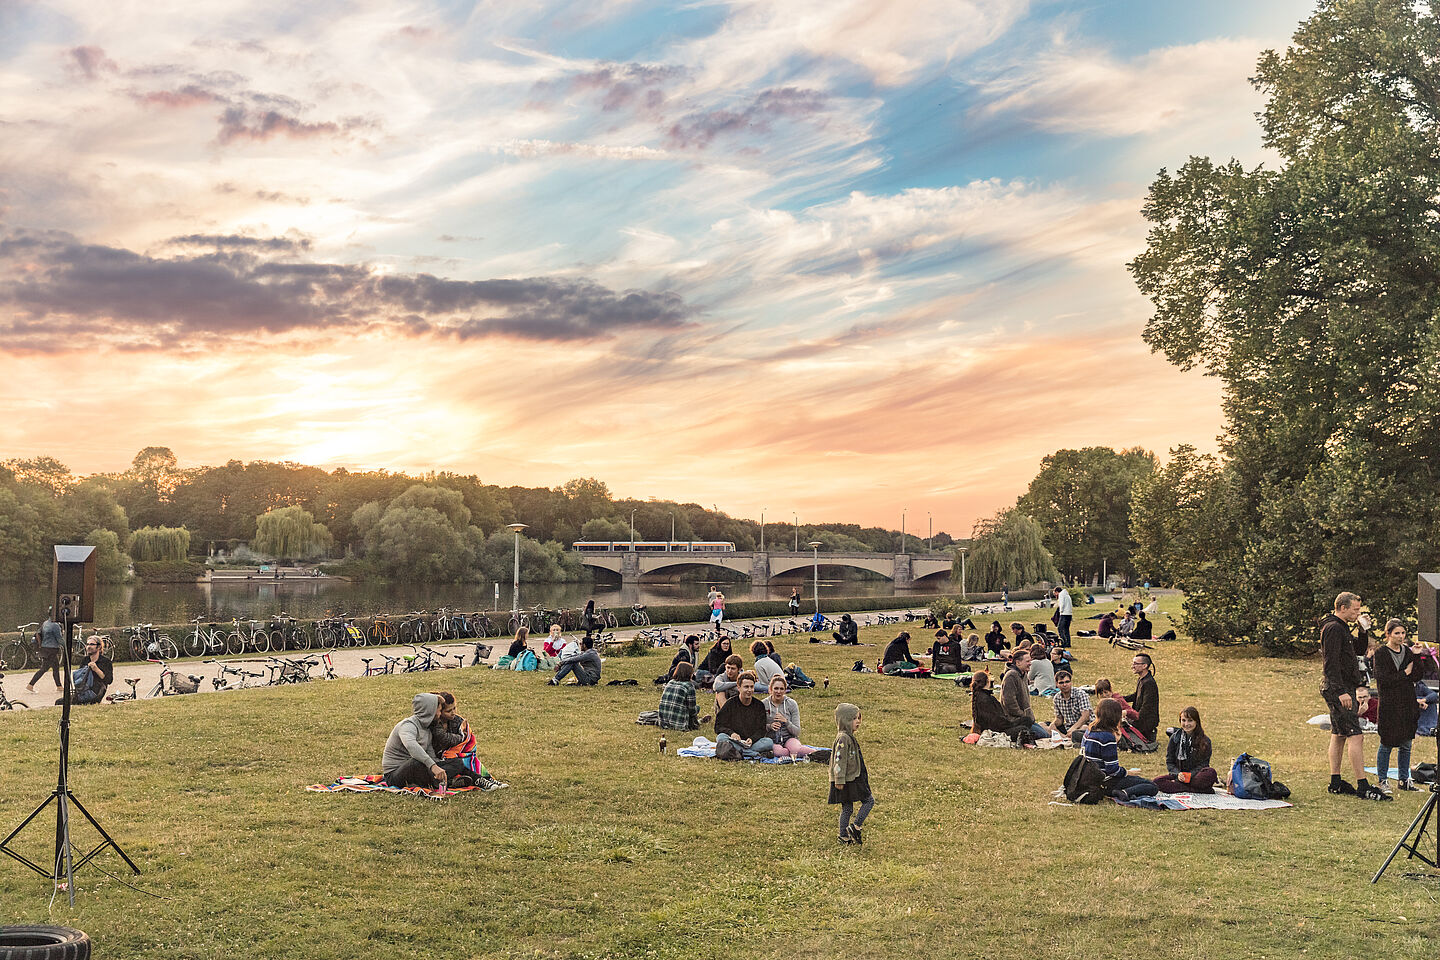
(1073, 711)
(677, 701)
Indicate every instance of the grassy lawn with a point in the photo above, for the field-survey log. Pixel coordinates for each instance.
(602, 847)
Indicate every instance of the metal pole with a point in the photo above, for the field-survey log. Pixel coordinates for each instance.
(762, 531)
(515, 589)
(632, 530)
(964, 594)
(928, 548)
(902, 531)
(672, 532)
(797, 532)
(815, 555)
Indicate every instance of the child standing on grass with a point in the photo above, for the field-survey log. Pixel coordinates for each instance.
(849, 780)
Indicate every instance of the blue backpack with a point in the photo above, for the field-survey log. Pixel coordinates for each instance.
(525, 661)
(1250, 779)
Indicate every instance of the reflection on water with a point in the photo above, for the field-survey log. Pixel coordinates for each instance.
(120, 605)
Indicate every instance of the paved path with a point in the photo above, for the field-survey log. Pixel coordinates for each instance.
(348, 661)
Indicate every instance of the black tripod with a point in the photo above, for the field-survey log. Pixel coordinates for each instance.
(62, 870)
(1415, 833)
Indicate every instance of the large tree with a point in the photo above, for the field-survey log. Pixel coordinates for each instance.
(1081, 499)
(1312, 290)
(1006, 548)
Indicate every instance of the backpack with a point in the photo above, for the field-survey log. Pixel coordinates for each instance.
(1132, 739)
(526, 661)
(1084, 781)
(727, 750)
(1250, 779)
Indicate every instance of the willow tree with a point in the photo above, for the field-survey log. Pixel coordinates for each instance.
(1312, 291)
(290, 532)
(160, 543)
(1006, 548)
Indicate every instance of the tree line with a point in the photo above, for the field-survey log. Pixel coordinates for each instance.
(437, 526)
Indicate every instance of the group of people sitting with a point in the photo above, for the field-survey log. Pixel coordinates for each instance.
(1074, 712)
(434, 748)
(1187, 760)
(746, 726)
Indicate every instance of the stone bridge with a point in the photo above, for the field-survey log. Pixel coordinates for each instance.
(902, 568)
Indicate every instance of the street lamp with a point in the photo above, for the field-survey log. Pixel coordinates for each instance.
(762, 529)
(515, 528)
(963, 594)
(632, 531)
(672, 531)
(902, 529)
(797, 531)
(931, 536)
(814, 546)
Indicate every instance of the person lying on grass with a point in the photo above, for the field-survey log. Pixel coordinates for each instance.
(585, 665)
(1102, 746)
(782, 721)
(743, 722)
(677, 702)
(728, 683)
(410, 758)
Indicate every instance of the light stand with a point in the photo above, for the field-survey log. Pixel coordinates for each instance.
(1411, 839)
(62, 870)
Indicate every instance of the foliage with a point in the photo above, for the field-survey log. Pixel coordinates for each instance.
(1312, 292)
(539, 562)
(160, 543)
(111, 563)
(1081, 499)
(949, 608)
(290, 532)
(1006, 548)
(169, 571)
(605, 529)
(424, 534)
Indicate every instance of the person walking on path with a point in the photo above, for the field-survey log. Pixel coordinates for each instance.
(1064, 613)
(1341, 680)
(52, 637)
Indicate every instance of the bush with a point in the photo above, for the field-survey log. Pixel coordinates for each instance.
(949, 608)
(169, 571)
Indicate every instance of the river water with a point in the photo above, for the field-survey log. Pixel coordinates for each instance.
(121, 605)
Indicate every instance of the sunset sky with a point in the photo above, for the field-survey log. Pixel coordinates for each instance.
(835, 257)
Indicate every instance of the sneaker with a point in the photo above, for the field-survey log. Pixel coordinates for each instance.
(489, 785)
(856, 835)
(553, 682)
(1373, 793)
(461, 782)
(1408, 785)
(845, 838)
(1343, 788)
(1384, 785)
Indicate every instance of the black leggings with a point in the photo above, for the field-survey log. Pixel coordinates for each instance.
(49, 660)
(412, 773)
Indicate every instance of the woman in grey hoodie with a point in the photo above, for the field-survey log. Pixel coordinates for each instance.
(409, 759)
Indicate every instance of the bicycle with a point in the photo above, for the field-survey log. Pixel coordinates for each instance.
(209, 642)
(482, 653)
(415, 628)
(148, 643)
(380, 632)
(226, 670)
(519, 619)
(605, 618)
(19, 653)
(284, 670)
(390, 664)
(481, 625)
(329, 666)
(122, 697)
(638, 616)
(5, 702)
(177, 687)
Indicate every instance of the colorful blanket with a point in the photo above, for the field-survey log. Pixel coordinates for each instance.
(706, 748)
(1203, 801)
(375, 784)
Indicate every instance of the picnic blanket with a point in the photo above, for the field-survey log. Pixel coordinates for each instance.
(703, 747)
(1202, 801)
(373, 783)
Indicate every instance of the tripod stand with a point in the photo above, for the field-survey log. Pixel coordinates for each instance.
(62, 869)
(1411, 838)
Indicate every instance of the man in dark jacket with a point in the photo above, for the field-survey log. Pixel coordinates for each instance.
(742, 722)
(849, 631)
(1146, 698)
(1341, 672)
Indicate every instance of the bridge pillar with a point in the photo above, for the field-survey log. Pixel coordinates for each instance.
(760, 569)
(904, 572)
(630, 567)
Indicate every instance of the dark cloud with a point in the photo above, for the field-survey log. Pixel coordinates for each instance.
(190, 95)
(699, 130)
(90, 62)
(58, 293)
(635, 87)
(243, 123)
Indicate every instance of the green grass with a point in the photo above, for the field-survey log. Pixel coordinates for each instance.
(602, 847)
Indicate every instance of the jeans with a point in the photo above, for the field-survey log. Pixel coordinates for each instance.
(411, 773)
(49, 660)
(1039, 732)
(1128, 787)
(1064, 626)
(1402, 765)
(586, 667)
(754, 752)
(847, 808)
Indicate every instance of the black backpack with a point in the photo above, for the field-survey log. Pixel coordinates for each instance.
(1084, 781)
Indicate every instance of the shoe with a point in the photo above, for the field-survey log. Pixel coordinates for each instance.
(1343, 788)
(856, 835)
(29, 688)
(553, 682)
(1383, 785)
(846, 838)
(1373, 793)
(492, 784)
(461, 782)
(1408, 785)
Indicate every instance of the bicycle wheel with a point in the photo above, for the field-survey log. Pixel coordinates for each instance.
(422, 631)
(327, 636)
(274, 641)
(16, 656)
(194, 645)
(137, 647)
(611, 620)
(169, 650)
(300, 637)
(234, 643)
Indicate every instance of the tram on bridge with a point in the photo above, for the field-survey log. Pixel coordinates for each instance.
(653, 546)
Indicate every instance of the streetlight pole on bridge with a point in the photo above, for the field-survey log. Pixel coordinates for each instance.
(762, 529)
(929, 516)
(515, 528)
(797, 531)
(963, 594)
(632, 531)
(814, 546)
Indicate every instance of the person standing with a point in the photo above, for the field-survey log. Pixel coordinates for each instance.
(849, 780)
(717, 610)
(1399, 710)
(1064, 613)
(795, 602)
(1341, 679)
(52, 637)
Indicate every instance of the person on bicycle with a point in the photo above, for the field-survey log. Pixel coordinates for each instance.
(52, 638)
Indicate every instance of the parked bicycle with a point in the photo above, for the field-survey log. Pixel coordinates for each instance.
(638, 616)
(5, 702)
(148, 643)
(179, 685)
(481, 655)
(206, 641)
(385, 668)
(121, 697)
(284, 670)
(228, 670)
(22, 652)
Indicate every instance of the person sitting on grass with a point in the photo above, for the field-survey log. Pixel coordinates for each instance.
(1187, 759)
(1073, 711)
(1104, 690)
(742, 722)
(409, 758)
(1015, 695)
(1018, 633)
(554, 643)
(714, 663)
(520, 644)
(677, 702)
(1146, 698)
(1143, 629)
(1041, 675)
(585, 665)
(782, 721)
(688, 653)
(453, 742)
(945, 653)
(1126, 626)
(766, 667)
(1102, 746)
(1060, 660)
(973, 648)
(1106, 629)
(995, 639)
(847, 631)
(986, 713)
(897, 655)
(728, 683)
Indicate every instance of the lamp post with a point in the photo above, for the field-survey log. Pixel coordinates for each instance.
(515, 528)
(963, 593)
(797, 531)
(814, 546)
(902, 529)
(632, 531)
(931, 535)
(762, 529)
(672, 531)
